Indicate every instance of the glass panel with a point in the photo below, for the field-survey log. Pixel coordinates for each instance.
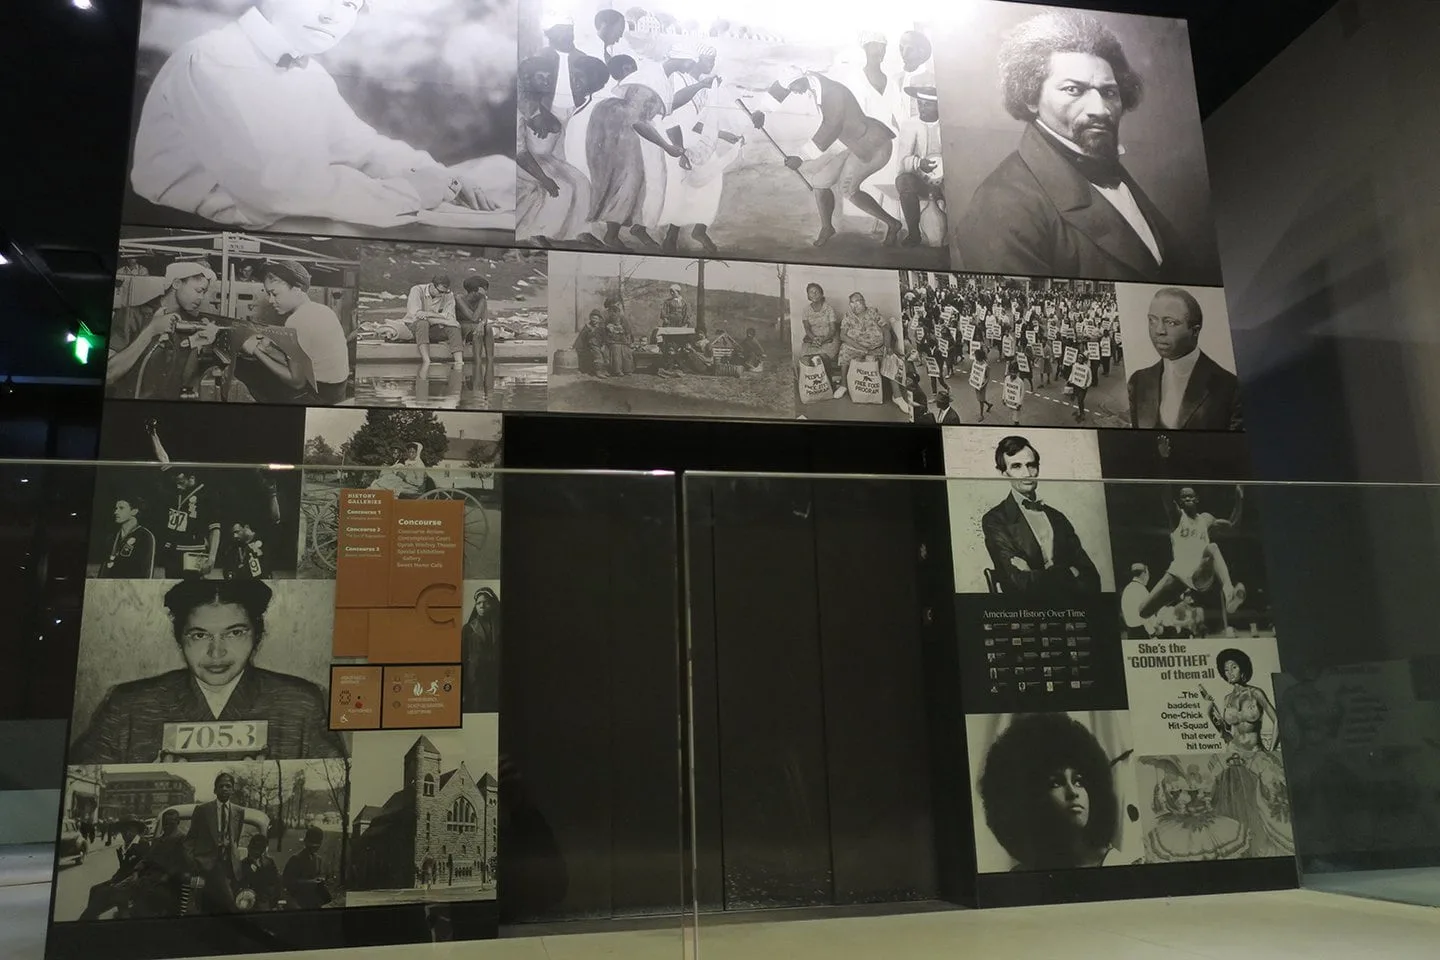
(284, 719)
(1228, 687)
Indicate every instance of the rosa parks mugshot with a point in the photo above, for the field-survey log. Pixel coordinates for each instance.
(1076, 147)
(292, 115)
(203, 670)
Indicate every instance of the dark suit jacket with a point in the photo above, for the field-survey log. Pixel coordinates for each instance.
(1008, 535)
(1211, 401)
(1037, 214)
(128, 726)
(203, 842)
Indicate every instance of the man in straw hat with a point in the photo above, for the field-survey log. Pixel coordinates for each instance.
(155, 346)
(921, 177)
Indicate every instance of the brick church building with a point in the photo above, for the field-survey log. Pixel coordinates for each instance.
(440, 827)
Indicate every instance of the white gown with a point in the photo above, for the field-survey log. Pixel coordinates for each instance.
(693, 196)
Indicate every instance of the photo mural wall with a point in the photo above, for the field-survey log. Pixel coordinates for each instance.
(359, 233)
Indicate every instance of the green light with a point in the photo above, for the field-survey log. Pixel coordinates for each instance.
(84, 342)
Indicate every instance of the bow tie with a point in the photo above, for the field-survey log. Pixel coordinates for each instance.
(1107, 174)
(287, 61)
(1032, 503)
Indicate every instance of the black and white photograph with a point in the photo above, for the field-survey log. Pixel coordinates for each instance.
(669, 336)
(450, 328)
(1228, 805)
(852, 359)
(424, 814)
(232, 318)
(1036, 533)
(1182, 359)
(970, 454)
(1190, 559)
(1053, 791)
(181, 839)
(480, 647)
(1028, 351)
(174, 519)
(1174, 455)
(332, 117)
(417, 454)
(195, 670)
(1074, 146)
(763, 131)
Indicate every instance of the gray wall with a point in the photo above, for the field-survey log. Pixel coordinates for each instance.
(31, 776)
(1326, 175)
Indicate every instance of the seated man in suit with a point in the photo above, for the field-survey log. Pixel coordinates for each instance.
(1034, 547)
(1062, 205)
(211, 843)
(1186, 389)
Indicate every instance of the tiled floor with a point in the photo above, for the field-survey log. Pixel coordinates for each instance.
(1274, 926)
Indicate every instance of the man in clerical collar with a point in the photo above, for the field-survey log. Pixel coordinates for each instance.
(1062, 204)
(241, 126)
(1036, 552)
(1185, 388)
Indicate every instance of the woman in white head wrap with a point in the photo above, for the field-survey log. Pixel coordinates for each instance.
(147, 360)
(692, 197)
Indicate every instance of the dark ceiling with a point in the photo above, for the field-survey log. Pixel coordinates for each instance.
(66, 76)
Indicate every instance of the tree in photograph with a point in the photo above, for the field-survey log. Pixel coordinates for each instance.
(337, 785)
(318, 452)
(256, 787)
(384, 432)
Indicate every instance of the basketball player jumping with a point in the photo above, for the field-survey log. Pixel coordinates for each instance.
(1196, 562)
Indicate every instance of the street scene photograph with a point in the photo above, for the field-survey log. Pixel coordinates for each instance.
(178, 839)
(1023, 351)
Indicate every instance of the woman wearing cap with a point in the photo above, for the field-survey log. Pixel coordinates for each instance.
(320, 373)
(155, 346)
